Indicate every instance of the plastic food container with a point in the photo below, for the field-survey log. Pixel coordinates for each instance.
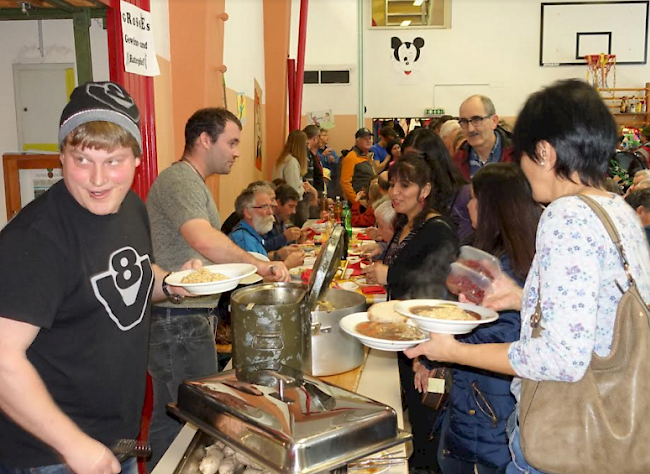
(471, 284)
(480, 261)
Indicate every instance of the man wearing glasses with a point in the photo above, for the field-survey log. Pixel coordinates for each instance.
(256, 206)
(486, 142)
(185, 221)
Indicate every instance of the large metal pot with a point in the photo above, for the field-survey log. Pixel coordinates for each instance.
(332, 350)
(271, 331)
(271, 323)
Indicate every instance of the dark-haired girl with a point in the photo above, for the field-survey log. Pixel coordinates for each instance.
(450, 188)
(416, 265)
(505, 217)
(394, 149)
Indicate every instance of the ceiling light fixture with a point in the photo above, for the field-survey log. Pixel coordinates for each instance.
(405, 23)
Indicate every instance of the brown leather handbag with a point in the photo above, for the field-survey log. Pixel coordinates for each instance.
(601, 423)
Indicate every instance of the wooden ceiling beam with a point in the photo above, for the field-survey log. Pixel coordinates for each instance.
(45, 14)
(62, 4)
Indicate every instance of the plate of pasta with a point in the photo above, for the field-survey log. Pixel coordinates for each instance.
(211, 279)
(445, 317)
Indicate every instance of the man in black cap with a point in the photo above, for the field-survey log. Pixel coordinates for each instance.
(77, 280)
(359, 155)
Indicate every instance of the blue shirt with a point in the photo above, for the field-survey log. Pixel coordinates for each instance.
(379, 151)
(325, 160)
(248, 238)
(475, 162)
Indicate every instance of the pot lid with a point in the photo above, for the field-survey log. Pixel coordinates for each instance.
(306, 428)
(325, 267)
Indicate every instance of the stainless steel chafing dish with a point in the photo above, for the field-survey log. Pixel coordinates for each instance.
(299, 425)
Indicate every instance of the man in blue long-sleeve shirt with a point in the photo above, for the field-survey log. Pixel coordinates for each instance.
(280, 236)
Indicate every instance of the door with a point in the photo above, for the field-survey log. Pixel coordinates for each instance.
(41, 91)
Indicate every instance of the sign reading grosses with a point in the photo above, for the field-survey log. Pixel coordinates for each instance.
(139, 52)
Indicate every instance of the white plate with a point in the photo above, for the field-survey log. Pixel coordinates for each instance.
(255, 277)
(445, 326)
(349, 324)
(348, 285)
(234, 271)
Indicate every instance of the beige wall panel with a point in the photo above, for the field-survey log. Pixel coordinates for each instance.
(164, 115)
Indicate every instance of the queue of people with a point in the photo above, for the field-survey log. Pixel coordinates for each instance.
(76, 341)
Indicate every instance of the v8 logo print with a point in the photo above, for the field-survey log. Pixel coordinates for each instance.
(125, 287)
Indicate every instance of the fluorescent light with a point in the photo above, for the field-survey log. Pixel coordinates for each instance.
(417, 3)
(405, 23)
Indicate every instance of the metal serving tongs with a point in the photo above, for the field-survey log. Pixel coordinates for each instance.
(387, 460)
(127, 448)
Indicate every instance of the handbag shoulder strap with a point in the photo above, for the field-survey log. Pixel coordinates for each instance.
(611, 230)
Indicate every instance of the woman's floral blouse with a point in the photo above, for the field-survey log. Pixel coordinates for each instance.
(577, 266)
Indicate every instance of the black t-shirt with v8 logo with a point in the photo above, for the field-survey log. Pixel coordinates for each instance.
(86, 281)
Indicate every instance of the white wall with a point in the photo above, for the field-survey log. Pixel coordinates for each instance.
(493, 42)
(492, 47)
(160, 19)
(243, 50)
(19, 40)
(331, 44)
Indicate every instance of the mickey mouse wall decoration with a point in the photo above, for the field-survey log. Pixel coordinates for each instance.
(406, 55)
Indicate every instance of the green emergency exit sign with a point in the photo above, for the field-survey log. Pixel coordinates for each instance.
(434, 111)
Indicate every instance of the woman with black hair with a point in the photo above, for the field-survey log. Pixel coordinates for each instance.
(418, 258)
(416, 265)
(452, 193)
(394, 149)
(564, 138)
(505, 217)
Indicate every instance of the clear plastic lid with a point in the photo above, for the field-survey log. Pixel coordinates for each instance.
(471, 284)
(480, 261)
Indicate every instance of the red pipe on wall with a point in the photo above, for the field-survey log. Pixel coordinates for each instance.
(300, 66)
(291, 73)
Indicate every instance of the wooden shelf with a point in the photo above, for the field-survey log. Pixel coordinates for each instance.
(12, 164)
(628, 118)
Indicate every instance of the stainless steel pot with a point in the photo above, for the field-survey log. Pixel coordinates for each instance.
(332, 350)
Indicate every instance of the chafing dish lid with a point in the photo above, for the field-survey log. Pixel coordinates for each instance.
(310, 427)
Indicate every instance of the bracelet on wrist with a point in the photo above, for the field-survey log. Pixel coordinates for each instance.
(174, 298)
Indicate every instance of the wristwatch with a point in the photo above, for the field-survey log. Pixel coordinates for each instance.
(176, 299)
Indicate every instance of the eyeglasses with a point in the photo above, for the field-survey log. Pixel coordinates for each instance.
(264, 207)
(475, 121)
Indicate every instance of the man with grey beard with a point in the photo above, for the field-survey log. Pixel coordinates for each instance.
(255, 207)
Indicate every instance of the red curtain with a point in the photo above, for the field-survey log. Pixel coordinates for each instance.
(140, 88)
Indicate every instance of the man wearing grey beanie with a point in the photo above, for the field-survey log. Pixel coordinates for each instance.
(77, 282)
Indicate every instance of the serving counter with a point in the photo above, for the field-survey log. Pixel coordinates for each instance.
(378, 380)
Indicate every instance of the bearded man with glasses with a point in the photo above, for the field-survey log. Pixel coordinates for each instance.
(486, 142)
(256, 208)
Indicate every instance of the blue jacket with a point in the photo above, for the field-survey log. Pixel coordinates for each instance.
(474, 435)
(248, 238)
(275, 239)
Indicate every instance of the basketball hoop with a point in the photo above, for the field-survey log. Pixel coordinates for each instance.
(598, 68)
